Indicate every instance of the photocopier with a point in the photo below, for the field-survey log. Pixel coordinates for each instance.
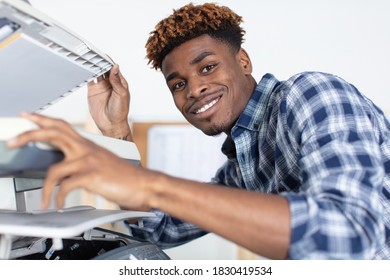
(56, 62)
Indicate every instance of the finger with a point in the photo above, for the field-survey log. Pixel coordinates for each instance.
(56, 175)
(45, 122)
(40, 120)
(101, 85)
(54, 131)
(68, 143)
(123, 80)
(67, 185)
(118, 82)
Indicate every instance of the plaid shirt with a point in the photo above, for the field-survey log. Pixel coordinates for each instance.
(317, 141)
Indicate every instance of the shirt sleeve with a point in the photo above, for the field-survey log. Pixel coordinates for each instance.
(337, 213)
(165, 230)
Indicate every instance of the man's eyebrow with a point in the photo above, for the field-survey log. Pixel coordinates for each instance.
(200, 57)
(194, 61)
(171, 76)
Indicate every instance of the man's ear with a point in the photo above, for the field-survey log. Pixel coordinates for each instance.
(245, 61)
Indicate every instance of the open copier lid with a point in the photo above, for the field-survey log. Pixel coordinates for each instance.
(41, 60)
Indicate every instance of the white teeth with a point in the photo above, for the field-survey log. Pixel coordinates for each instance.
(207, 106)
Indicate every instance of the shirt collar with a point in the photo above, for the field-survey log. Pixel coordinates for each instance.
(257, 106)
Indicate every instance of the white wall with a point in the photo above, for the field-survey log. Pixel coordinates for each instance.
(350, 38)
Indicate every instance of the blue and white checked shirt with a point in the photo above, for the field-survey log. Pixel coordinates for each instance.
(324, 146)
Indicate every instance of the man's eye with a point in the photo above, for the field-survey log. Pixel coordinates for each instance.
(178, 85)
(208, 68)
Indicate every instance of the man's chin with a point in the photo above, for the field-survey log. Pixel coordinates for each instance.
(213, 130)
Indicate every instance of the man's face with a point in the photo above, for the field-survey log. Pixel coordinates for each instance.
(210, 83)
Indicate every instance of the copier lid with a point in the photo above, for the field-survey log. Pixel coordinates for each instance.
(41, 60)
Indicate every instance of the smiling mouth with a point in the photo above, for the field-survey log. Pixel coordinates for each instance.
(207, 106)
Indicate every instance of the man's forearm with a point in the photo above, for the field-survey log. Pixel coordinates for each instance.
(256, 221)
(122, 132)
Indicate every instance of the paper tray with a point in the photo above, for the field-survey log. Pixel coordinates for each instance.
(61, 224)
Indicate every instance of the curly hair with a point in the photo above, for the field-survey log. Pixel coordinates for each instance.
(189, 22)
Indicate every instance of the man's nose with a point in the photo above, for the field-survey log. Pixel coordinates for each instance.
(196, 88)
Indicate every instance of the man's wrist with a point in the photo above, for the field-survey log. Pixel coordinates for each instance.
(122, 132)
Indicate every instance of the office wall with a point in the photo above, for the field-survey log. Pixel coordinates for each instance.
(350, 38)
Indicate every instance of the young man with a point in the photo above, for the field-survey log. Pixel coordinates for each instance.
(308, 159)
